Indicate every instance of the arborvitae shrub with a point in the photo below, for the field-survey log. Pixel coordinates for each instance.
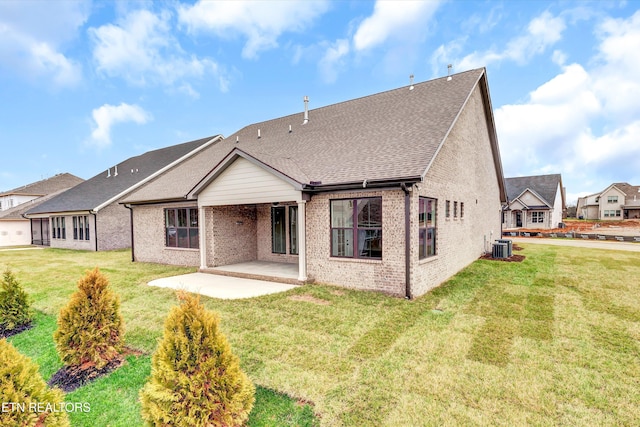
(90, 327)
(195, 378)
(15, 310)
(24, 393)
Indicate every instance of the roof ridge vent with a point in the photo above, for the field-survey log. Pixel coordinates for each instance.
(306, 110)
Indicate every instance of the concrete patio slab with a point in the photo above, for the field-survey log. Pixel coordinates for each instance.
(223, 287)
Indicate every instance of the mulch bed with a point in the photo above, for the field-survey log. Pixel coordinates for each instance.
(517, 248)
(69, 378)
(512, 258)
(6, 333)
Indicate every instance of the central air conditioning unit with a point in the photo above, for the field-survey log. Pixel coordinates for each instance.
(509, 243)
(500, 250)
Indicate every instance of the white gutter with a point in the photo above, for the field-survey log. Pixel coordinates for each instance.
(155, 174)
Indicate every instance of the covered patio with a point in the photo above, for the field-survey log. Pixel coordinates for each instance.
(279, 272)
(254, 222)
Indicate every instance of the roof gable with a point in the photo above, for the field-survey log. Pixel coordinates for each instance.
(544, 186)
(389, 136)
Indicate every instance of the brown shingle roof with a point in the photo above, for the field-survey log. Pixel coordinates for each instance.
(46, 186)
(389, 135)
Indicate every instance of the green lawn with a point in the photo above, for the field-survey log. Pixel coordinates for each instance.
(554, 340)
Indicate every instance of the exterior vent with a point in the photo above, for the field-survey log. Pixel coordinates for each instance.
(509, 244)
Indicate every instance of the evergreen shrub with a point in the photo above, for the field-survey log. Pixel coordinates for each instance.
(90, 327)
(195, 378)
(15, 308)
(27, 399)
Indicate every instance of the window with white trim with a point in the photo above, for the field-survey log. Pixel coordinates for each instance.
(537, 217)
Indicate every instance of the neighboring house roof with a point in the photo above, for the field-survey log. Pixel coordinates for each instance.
(544, 187)
(626, 188)
(119, 180)
(46, 186)
(389, 136)
(17, 212)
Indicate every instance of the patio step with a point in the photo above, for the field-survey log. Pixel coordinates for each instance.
(243, 275)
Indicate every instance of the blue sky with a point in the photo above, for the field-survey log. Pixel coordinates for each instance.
(85, 85)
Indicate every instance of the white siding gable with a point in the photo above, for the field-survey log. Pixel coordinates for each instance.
(530, 199)
(243, 182)
(516, 205)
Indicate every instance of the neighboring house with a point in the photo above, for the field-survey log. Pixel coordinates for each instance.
(617, 202)
(89, 217)
(534, 202)
(393, 192)
(14, 228)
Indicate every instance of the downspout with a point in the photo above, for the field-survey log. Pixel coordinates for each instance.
(95, 228)
(407, 240)
(133, 257)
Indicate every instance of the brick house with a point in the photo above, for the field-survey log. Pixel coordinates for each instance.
(616, 202)
(534, 202)
(393, 192)
(89, 215)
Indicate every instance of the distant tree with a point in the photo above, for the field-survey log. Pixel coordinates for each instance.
(90, 326)
(571, 211)
(22, 388)
(195, 378)
(15, 308)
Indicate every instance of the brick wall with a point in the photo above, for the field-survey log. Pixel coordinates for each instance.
(231, 235)
(69, 242)
(386, 275)
(464, 172)
(149, 238)
(114, 227)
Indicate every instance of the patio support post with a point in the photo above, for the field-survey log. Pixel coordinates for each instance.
(302, 241)
(202, 225)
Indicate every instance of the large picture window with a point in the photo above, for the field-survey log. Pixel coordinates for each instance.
(356, 228)
(181, 228)
(427, 227)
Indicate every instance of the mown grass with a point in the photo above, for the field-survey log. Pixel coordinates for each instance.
(553, 340)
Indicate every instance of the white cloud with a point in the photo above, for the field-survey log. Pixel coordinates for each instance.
(393, 19)
(584, 121)
(260, 22)
(333, 60)
(618, 79)
(106, 116)
(31, 42)
(142, 50)
(542, 32)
